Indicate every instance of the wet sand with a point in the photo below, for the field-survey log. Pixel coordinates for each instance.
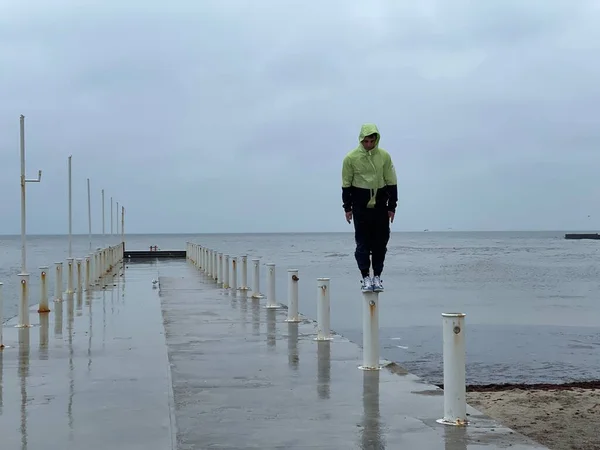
(563, 417)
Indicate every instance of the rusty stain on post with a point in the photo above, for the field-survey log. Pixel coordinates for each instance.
(41, 308)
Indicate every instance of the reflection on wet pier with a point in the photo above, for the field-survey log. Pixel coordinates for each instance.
(63, 388)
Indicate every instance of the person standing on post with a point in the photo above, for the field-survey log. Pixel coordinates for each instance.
(369, 196)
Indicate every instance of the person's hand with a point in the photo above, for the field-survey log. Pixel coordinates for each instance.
(348, 216)
(391, 215)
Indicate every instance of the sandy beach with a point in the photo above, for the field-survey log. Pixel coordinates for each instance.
(560, 417)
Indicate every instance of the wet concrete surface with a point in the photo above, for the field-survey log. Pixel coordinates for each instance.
(243, 378)
(91, 374)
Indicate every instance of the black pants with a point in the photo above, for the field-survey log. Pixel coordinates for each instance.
(371, 233)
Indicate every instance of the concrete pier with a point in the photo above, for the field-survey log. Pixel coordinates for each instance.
(182, 364)
(91, 374)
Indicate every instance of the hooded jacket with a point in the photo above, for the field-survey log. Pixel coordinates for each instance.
(369, 177)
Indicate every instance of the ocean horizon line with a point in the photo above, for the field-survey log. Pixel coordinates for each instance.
(239, 233)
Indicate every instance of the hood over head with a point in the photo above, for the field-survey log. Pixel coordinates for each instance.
(366, 130)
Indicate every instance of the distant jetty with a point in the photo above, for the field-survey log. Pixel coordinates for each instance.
(582, 236)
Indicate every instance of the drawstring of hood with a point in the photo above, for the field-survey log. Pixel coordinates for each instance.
(367, 130)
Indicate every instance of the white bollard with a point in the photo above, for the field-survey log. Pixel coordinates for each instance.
(226, 278)
(58, 282)
(43, 306)
(244, 286)
(96, 267)
(1, 316)
(271, 303)
(220, 269)
(370, 331)
(209, 263)
(102, 266)
(233, 275)
(69, 276)
(323, 310)
(455, 403)
(256, 282)
(79, 275)
(293, 296)
(99, 250)
(88, 272)
(216, 265)
(24, 303)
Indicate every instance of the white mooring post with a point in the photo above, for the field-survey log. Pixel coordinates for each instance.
(271, 302)
(1, 315)
(293, 316)
(209, 263)
(216, 265)
(213, 266)
(455, 403)
(256, 281)
(323, 310)
(226, 279)
(88, 281)
(220, 269)
(43, 306)
(24, 307)
(234, 275)
(69, 276)
(244, 286)
(78, 262)
(58, 282)
(370, 331)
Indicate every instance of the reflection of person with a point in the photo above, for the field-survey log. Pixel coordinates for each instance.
(369, 196)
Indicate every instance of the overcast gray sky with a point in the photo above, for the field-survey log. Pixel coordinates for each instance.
(234, 116)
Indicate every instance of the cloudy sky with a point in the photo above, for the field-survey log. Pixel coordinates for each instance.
(234, 116)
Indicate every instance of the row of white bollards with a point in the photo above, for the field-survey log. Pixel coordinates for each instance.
(210, 262)
(98, 266)
(453, 323)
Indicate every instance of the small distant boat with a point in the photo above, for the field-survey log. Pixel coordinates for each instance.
(594, 236)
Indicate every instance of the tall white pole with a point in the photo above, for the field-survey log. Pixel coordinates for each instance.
(89, 214)
(103, 238)
(122, 224)
(70, 212)
(117, 219)
(112, 215)
(24, 276)
(23, 215)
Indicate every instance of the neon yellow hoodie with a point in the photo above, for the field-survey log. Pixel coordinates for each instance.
(369, 177)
